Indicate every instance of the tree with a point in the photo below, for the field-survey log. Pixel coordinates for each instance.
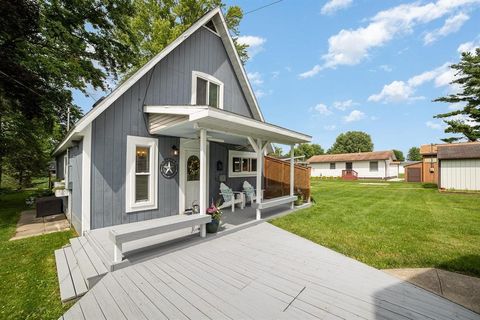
(351, 142)
(155, 24)
(465, 121)
(308, 150)
(414, 154)
(48, 48)
(399, 155)
(277, 152)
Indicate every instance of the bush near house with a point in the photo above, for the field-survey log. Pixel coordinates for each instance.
(397, 225)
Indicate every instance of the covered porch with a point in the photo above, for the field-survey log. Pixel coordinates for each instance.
(207, 125)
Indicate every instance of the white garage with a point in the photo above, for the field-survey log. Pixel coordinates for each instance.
(459, 166)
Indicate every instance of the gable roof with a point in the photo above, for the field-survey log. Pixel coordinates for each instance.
(428, 149)
(469, 150)
(218, 19)
(360, 156)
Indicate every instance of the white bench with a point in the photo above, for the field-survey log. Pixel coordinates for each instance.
(144, 229)
(270, 203)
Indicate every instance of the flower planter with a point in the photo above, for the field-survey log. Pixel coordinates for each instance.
(212, 227)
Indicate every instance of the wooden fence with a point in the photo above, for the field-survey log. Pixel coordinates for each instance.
(277, 179)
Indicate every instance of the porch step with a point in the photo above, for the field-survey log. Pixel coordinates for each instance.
(91, 265)
(78, 268)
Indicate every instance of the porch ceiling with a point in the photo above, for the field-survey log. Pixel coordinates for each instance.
(184, 121)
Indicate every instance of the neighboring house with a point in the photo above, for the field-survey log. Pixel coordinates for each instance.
(451, 166)
(376, 164)
(166, 138)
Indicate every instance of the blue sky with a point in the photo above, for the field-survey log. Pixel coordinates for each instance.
(326, 67)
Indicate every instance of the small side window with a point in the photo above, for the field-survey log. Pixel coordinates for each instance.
(373, 165)
(332, 165)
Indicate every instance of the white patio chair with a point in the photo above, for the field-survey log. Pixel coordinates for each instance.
(250, 193)
(231, 198)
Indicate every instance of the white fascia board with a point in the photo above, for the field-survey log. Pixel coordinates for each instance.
(177, 110)
(105, 103)
(254, 124)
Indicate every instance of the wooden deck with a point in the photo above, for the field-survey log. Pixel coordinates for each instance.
(260, 272)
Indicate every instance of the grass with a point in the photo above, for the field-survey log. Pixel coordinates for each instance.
(400, 225)
(28, 280)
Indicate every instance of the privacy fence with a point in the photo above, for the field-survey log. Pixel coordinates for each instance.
(277, 178)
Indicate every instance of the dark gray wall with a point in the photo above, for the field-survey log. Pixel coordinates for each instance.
(75, 179)
(218, 152)
(169, 83)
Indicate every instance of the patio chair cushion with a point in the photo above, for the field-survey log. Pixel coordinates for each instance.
(249, 189)
(226, 192)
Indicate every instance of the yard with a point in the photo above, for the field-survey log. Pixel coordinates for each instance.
(28, 279)
(393, 226)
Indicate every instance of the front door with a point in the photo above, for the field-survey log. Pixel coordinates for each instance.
(348, 166)
(192, 184)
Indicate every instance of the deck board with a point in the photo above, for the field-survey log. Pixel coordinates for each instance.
(261, 272)
(67, 289)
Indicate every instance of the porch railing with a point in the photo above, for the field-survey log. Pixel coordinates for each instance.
(349, 174)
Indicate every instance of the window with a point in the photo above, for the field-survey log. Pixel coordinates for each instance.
(373, 165)
(348, 165)
(332, 165)
(206, 90)
(193, 168)
(142, 175)
(242, 164)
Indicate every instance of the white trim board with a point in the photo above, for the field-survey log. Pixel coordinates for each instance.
(152, 203)
(86, 178)
(220, 24)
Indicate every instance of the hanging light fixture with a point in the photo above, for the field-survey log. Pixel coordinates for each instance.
(175, 150)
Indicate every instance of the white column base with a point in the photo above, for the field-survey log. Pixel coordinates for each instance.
(259, 214)
(203, 231)
(117, 254)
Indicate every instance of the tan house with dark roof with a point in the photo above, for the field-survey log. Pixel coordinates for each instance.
(375, 165)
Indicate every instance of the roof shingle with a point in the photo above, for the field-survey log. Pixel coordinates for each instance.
(470, 150)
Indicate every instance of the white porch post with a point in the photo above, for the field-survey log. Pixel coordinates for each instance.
(259, 176)
(203, 178)
(292, 172)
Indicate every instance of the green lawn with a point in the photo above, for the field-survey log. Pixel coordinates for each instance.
(393, 226)
(28, 280)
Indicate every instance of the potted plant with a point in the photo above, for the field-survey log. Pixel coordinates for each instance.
(216, 213)
(299, 200)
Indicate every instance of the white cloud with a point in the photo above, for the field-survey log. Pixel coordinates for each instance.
(333, 6)
(451, 25)
(261, 93)
(469, 46)
(433, 125)
(394, 92)
(321, 109)
(355, 115)
(344, 105)
(255, 44)
(352, 46)
(398, 91)
(275, 74)
(386, 68)
(330, 127)
(255, 78)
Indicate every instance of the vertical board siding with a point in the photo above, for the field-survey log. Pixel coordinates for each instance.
(460, 174)
(75, 178)
(168, 83)
(219, 152)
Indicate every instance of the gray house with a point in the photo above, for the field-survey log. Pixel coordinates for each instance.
(166, 138)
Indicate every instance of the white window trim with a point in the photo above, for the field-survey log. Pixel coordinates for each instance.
(209, 78)
(240, 154)
(370, 166)
(152, 203)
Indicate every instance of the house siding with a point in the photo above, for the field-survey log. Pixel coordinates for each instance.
(460, 174)
(171, 78)
(219, 152)
(361, 167)
(75, 182)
